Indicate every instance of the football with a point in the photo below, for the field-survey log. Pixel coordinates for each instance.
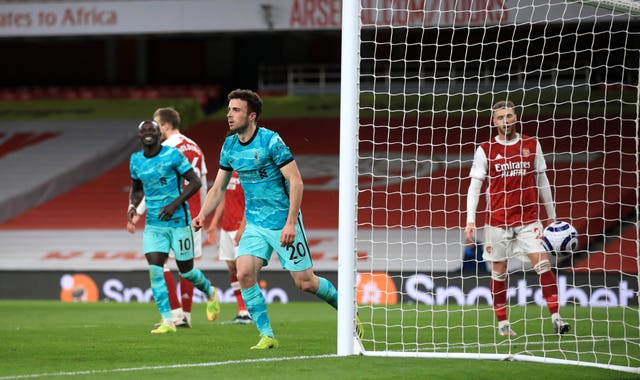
(560, 238)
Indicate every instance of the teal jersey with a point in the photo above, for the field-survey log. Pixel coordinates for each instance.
(162, 179)
(258, 164)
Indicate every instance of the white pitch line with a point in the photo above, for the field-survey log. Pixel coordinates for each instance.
(152, 368)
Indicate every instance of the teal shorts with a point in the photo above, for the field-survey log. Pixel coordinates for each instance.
(261, 242)
(163, 239)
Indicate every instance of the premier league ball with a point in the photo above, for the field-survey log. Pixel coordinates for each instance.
(560, 238)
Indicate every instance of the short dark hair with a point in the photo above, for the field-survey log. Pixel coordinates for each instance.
(254, 103)
(168, 115)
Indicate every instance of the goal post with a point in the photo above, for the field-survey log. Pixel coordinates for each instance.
(419, 79)
(348, 177)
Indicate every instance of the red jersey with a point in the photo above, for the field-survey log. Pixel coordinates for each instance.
(511, 168)
(233, 205)
(194, 155)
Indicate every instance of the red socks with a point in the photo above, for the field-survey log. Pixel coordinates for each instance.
(186, 290)
(171, 289)
(499, 293)
(549, 290)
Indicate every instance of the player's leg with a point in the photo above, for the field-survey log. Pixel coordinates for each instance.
(248, 268)
(198, 279)
(324, 289)
(176, 308)
(182, 245)
(499, 296)
(529, 239)
(186, 287)
(242, 315)
(159, 290)
(253, 253)
(186, 297)
(156, 248)
(496, 247)
(228, 252)
(297, 260)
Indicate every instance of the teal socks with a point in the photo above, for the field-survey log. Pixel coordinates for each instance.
(159, 290)
(257, 307)
(327, 292)
(197, 278)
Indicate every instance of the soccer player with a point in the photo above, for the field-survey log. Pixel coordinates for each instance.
(228, 222)
(514, 167)
(273, 193)
(169, 121)
(157, 174)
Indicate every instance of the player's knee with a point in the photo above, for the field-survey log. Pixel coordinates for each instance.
(245, 278)
(307, 286)
(542, 266)
(499, 276)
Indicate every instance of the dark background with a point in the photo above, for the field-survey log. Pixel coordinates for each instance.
(233, 60)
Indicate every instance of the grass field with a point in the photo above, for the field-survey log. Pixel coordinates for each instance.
(50, 339)
(597, 334)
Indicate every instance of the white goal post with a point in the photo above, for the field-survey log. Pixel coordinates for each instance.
(418, 81)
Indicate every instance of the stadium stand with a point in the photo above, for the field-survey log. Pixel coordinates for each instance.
(621, 254)
(40, 160)
(207, 94)
(315, 144)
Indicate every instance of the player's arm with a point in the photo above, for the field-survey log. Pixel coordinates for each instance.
(212, 230)
(544, 188)
(478, 173)
(192, 187)
(473, 197)
(243, 224)
(292, 174)
(213, 198)
(140, 210)
(142, 207)
(136, 194)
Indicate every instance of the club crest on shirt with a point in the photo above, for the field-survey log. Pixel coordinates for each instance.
(256, 158)
(525, 152)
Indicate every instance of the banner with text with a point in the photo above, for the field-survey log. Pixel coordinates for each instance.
(579, 290)
(199, 16)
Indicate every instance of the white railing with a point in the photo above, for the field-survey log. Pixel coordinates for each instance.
(305, 79)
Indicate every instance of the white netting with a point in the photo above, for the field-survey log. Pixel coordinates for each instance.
(429, 74)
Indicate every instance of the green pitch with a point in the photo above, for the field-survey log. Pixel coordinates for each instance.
(597, 334)
(49, 339)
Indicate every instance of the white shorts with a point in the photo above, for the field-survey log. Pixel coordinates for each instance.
(503, 244)
(197, 244)
(227, 248)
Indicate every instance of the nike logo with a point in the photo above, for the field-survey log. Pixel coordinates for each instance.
(296, 262)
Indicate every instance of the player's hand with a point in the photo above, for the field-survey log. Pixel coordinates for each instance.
(131, 224)
(131, 227)
(470, 232)
(167, 212)
(212, 235)
(198, 222)
(288, 235)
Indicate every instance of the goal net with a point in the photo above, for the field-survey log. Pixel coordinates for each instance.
(419, 79)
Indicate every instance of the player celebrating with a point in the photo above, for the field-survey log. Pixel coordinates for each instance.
(228, 221)
(157, 174)
(169, 121)
(273, 193)
(514, 167)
